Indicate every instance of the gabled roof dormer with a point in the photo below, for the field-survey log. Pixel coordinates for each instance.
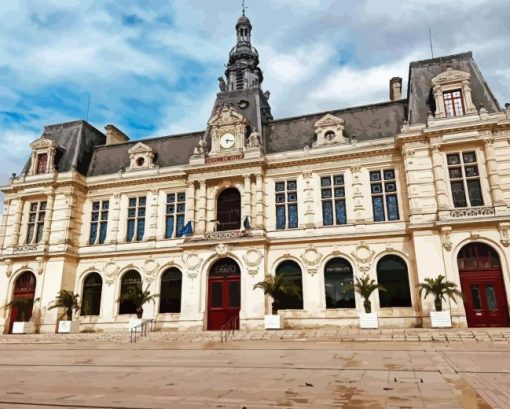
(141, 157)
(329, 130)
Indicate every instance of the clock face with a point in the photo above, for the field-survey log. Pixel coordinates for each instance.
(227, 141)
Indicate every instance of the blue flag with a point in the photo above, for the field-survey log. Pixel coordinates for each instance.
(246, 223)
(186, 230)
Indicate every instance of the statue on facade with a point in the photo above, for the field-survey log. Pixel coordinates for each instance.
(222, 84)
(254, 140)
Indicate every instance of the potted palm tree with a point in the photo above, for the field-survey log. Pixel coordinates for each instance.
(441, 289)
(22, 314)
(69, 302)
(275, 287)
(138, 297)
(365, 286)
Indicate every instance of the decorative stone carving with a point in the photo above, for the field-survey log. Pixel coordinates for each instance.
(192, 263)
(450, 80)
(254, 140)
(329, 130)
(474, 236)
(222, 249)
(150, 267)
(504, 234)
(226, 120)
(111, 270)
(8, 270)
(141, 157)
(311, 256)
(472, 212)
(253, 258)
(43, 146)
(363, 256)
(40, 265)
(446, 235)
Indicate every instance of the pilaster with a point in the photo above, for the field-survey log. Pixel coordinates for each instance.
(202, 204)
(48, 218)
(16, 227)
(247, 199)
(493, 173)
(357, 194)
(259, 202)
(439, 178)
(309, 207)
(115, 215)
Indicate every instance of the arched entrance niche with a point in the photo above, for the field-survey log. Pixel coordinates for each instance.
(291, 271)
(91, 298)
(482, 284)
(392, 274)
(338, 279)
(228, 213)
(170, 292)
(130, 280)
(22, 298)
(224, 293)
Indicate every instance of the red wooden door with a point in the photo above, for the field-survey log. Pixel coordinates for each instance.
(24, 290)
(224, 300)
(484, 298)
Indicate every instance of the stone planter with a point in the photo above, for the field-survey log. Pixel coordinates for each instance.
(68, 327)
(134, 323)
(368, 321)
(440, 319)
(273, 321)
(21, 327)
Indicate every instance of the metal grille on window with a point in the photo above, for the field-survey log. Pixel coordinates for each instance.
(286, 204)
(36, 222)
(99, 222)
(464, 177)
(136, 218)
(175, 208)
(453, 103)
(333, 194)
(383, 186)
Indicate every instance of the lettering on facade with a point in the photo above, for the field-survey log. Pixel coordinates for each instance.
(25, 249)
(223, 235)
(223, 158)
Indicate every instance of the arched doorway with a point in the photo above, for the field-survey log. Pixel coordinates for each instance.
(224, 293)
(130, 280)
(291, 271)
(91, 298)
(392, 274)
(22, 298)
(482, 284)
(170, 292)
(338, 280)
(229, 210)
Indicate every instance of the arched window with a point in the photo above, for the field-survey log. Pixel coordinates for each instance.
(91, 298)
(292, 273)
(338, 279)
(478, 257)
(392, 275)
(23, 297)
(130, 280)
(229, 210)
(170, 294)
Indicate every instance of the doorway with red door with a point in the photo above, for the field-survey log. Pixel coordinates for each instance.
(482, 283)
(224, 293)
(22, 299)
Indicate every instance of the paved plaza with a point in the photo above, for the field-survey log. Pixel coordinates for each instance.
(251, 374)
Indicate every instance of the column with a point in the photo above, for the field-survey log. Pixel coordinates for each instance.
(16, 227)
(493, 173)
(357, 194)
(309, 207)
(48, 218)
(439, 180)
(259, 202)
(190, 204)
(153, 221)
(247, 199)
(202, 204)
(5, 219)
(114, 214)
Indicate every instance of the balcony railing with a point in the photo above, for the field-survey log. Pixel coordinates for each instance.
(472, 212)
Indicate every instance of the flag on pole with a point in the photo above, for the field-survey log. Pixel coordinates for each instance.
(246, 223)
(186, 230)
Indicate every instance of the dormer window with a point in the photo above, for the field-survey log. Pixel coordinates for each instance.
(329, 130)
(330, 135)
(453, 104)
(141, 157)
(42, 163)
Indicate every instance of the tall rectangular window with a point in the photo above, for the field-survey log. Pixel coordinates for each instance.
(42, 163)
(383, 186)
(453, 104)
(136, 218)
(99, 222)
(333, 200)
(464, 177)
(286, 204)
(175, 208)
(36, 217)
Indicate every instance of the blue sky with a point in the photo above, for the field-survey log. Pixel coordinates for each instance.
(150, 67)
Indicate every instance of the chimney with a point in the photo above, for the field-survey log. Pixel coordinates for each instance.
(395, 89)
(114, 135)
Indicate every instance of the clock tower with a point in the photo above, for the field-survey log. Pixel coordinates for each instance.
(241, 109)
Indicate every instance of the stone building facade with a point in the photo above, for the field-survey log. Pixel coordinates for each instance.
(399, 190)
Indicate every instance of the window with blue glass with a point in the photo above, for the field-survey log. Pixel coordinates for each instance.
(464, 179)
(175, 208)
(333, 200)
(286, 204)
(136, 218)
(383, 186)
(99, 222)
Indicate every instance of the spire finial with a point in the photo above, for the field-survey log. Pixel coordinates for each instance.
(244, 7)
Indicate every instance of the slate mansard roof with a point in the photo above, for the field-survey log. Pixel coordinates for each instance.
(83, 145)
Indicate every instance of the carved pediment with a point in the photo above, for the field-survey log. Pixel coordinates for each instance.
(227, 115)
(329, 130)
(141, 156)
(450, 75)
(43, 144)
